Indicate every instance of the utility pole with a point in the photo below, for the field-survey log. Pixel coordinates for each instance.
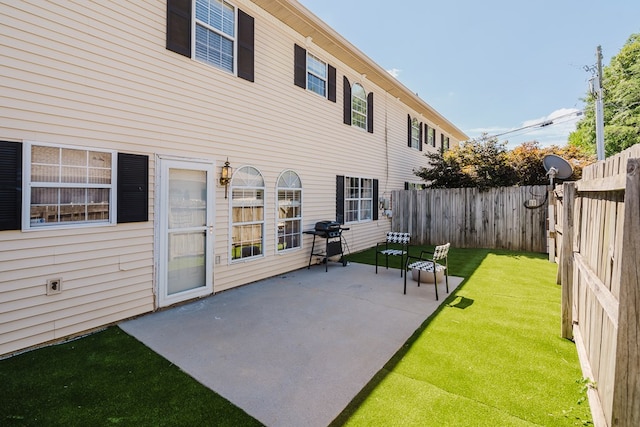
(599, 106)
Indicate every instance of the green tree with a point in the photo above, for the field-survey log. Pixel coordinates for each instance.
(621, 83)
(481, 163)
(487, 163)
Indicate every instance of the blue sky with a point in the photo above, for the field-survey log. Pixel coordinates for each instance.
(494, 65)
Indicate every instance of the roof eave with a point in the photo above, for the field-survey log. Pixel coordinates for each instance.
(303, 21)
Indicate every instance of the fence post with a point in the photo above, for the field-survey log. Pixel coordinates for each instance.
(626, 401)
(566, 262)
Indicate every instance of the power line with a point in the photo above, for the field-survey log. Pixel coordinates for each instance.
(544, 123)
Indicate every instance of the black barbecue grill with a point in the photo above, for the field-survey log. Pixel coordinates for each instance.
(328, 229)
(331, 231)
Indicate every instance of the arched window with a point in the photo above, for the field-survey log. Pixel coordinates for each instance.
(289, 224)
(358, 106)
(247, 213)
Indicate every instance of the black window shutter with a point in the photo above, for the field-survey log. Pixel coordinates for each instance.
(370, 112)
(300, 70)
(331, 94)
(409, 126)
(420, 138)
(10, 185)
(442, 142)
(245, 46)
(340, 199)
(179, 26)
(406, 185)
(375, 200)
(133, 188)
(346, 101)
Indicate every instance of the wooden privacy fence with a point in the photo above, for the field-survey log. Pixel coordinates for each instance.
(599, 265)
(469, 218)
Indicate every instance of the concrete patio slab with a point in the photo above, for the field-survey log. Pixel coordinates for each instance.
(293, 350)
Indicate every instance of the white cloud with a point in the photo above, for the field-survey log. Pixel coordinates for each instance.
(395, 72)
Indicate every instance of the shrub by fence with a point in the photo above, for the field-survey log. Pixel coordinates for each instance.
(468, 218)
(599, 265)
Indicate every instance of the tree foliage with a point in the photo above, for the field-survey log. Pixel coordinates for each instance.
(486, 163)
(621, 84)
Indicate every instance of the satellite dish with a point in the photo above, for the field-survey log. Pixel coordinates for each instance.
(556, 167)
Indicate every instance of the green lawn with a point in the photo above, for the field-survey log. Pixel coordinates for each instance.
(107, 379)
(490, 356)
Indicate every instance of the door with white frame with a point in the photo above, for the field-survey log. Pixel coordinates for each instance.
(185, 266)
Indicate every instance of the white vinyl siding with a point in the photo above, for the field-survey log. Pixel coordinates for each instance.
(119, 89)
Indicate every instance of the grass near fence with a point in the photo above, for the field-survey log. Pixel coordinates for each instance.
(492, 355)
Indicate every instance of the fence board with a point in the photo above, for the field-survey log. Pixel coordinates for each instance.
(601, 296)
(626, 402)
(468, 218)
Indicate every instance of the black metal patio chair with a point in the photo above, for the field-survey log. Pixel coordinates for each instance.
(427, 263)
(396, 244)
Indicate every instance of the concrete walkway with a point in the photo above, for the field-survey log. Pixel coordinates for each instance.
(293, 350)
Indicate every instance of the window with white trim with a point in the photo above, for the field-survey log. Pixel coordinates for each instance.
(316, 75)
(358, 199)
(358, 106)
(67, 186)
(444, 143)
(289, 226)
(415, 134)
(415, 186)
(431, 136)
(247, 213)
(215, 35)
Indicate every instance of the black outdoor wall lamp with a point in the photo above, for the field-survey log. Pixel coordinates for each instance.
(225, 176)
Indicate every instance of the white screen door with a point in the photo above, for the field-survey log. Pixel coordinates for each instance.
(186, 231)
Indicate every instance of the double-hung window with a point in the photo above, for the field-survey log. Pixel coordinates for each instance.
(415, 134)
(289, 204)
(444, 143)
(431, 136)
(358, 199)
(215, 33)
(358, 106)
(67, 186)
(247, 213)
(316, 75)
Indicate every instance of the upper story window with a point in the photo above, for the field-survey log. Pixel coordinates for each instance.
(289, 204)
(444, 143)
(67, 186)
(358, 199)
(247, 213)
(358, 106)
(431, 136)
(224, 35)
(312, 73)
(415, 134)
(316, 75)
(215, 33)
